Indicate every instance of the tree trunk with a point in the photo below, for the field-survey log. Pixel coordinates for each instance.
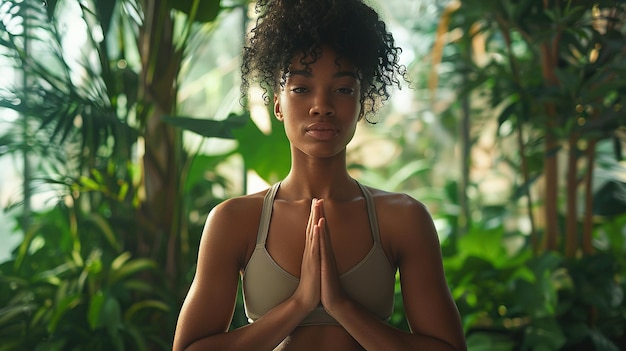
(587, 245)
(549, 59)
(160, 209)
(571, 217)
(551, 185)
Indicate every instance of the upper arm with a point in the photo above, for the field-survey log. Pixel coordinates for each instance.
(210, 302)
(429, 306)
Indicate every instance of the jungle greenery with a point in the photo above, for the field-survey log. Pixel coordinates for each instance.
(513, 136)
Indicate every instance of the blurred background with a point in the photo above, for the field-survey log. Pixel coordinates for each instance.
(122, 125)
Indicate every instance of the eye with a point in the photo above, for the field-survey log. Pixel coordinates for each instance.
(345, 91)
(299, 90)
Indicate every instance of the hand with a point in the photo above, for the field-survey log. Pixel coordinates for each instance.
(309, 288)
(332, 294)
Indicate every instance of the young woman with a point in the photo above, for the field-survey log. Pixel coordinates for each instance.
(317, 253)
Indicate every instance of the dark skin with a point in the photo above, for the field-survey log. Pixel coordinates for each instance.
(319, 230)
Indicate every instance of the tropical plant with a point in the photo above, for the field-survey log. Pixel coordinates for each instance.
(71, 286)
(100, 114)
(511, 299)
(107, 127)
(549, 75)
(574, 104)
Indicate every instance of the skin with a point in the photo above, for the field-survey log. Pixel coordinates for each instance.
(319, 230)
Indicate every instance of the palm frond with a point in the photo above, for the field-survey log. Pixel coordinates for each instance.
(65, 96)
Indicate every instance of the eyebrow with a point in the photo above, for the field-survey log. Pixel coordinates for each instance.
(308, 74)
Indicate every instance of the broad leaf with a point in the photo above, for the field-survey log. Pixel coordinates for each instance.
(268, 155)
(207, 127)
(199, 10)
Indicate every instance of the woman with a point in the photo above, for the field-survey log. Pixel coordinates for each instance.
(318, 252)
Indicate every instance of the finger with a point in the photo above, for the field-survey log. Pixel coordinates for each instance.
(315, 212)
(322, 213)
(311, 221)
(320, 205)
(323, 238)
(316, 238)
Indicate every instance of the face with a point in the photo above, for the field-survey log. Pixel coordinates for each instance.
(320, 106)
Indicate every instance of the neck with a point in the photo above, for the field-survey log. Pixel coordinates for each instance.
(325, 178)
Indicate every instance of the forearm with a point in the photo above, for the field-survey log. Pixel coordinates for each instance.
(264, 334)
(374, 334)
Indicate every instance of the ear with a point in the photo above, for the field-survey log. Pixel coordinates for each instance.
(277, 109)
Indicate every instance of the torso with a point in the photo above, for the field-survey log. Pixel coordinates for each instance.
(317, 337)
(351, 240)
(349, 227)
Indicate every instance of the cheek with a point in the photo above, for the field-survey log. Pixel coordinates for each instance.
(288, 121)
(285, 104)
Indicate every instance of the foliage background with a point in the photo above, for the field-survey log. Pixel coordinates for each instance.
(124, 121)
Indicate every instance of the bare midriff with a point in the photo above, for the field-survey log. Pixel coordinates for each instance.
(319, 337)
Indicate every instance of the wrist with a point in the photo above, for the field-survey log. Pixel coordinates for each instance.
(339, 306)
(302, 303)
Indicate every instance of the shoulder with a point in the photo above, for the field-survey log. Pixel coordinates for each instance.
(408, 229)
(237, 204)
(399, 205)
(232, 225)
(405, 224)
(236, 207)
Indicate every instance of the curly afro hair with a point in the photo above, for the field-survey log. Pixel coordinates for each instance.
(286, 28)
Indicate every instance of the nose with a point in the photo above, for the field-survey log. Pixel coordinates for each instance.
(322, 105)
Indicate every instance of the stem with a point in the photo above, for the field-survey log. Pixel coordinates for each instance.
(552, 183)
(549, 57)
(571, 217)
(464, 131)
(162, 205)
(520, 132)
(26, 186)
(588, 219)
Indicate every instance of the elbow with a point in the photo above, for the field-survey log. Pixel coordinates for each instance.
(180, 345)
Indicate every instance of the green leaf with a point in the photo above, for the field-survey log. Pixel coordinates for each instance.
(119, 261)
(267, 155)
(112, 320)
(29, 236)
(207, 127)
(52, 275)
(108, 233)
(406, 172)
(202, 174)
(105, 13)
(62, 306)
(485, 341)
(543, 334)
(130, 268)
(95, 309)
(137, 336)
(50, 7)
(486, 244)
(198, 10)
(602, 342)
(111, 312)
(145, 304)
(90, 184)
(9, 314)
(121, 195)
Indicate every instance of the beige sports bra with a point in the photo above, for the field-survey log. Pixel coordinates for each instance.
(265, 284)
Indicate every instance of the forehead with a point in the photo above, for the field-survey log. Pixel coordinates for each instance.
(324, 59)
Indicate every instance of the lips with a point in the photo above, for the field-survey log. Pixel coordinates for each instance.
(322, 131)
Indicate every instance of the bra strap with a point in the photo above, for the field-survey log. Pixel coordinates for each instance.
(266, 214)
(371, 213)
